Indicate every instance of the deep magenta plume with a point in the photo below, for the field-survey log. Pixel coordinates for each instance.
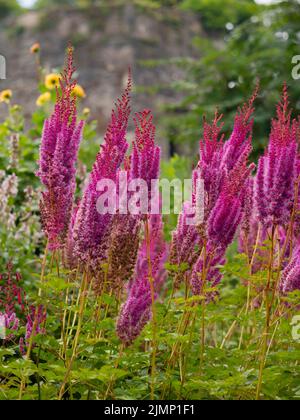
(61, 137)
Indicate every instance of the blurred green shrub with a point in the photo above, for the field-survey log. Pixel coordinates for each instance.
(8, 6)
(262, 47)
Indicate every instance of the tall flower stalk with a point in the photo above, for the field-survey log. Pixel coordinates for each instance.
(275, 182)
(92, 229)
(58, 156)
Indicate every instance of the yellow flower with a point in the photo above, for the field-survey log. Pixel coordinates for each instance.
(5, 96)
(35, 48)
(42, 99)
(52, 81)
(86, 112)
(78, 91)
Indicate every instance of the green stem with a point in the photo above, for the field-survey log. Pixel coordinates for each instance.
(268, 316)
(154, 320)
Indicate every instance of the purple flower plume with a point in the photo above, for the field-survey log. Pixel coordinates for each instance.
(276, 172)
(226, 215)
(185, 246)
(58, 155)
(222, 226)
(145, 160)
(136, 311)
(238, 147)
(123, 246)
(290, 277)
(224, 171)
(212, 171)
(91, 228)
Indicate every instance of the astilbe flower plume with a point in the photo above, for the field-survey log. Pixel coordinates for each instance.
(226, 215)
(223, 169)
(91, 230)
(250, 236)
(185, 246)
(124, 239)
(145, 160)
(276, 172)
(57, 163)
(290, 277)
(136, 311)
(123, 250)
(210, 166)
(222, 226)
(239, 145)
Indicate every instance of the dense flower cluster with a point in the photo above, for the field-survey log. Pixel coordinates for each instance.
(145, 161)
(136, 311)
(58, 155)
(290, 279)
(109, 246)
(91, 228)
(277, 169)
(224, 170)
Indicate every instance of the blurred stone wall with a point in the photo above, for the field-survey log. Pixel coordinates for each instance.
(107, 41)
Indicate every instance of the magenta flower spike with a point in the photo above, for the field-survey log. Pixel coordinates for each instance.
(239, 146)
(290, 277)
(57, 163)
(221, 228)
(136, 311)
(186, 245)
(91, 230)
(227, 213)
(145, 160)
(276, 172)
(210, 165)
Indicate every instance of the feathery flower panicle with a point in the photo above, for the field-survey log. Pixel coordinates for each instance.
(210, 161)
(187, 239)
(227, 213)
(185, 246)
(290, 277)
(136, 311)
(223, 168)
(124, 238)
(145, 160)
(276, 172)
(251, 235)
(238, 147)
(57, 164)
(123, 250)
(91, 230)
(221, 228)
